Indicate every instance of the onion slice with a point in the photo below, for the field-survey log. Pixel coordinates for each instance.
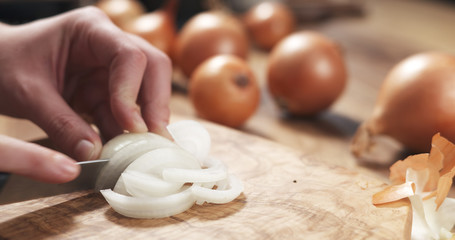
(158, 207)
(191, 136)
(155, 161)
(216, 171)
(139, 184)
(218, 196)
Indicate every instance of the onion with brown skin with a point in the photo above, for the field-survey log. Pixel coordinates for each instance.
(157, 27)
(306, 73)
(121, 11)
(208, 34)
(223, 89)
(415, 102)
(268, 23)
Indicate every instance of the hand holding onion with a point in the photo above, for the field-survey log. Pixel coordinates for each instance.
(84, 65)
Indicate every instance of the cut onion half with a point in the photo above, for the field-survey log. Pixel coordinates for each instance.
(157, 207)
(191, 136)
(123, 140)
(202, 194)
(122, 158)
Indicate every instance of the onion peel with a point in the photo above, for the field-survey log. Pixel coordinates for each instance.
(394, 192)
(430, 175)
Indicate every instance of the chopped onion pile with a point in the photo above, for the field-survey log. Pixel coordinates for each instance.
(426, 180)
(153, 177)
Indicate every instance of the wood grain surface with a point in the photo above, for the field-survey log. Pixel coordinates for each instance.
(287, 196)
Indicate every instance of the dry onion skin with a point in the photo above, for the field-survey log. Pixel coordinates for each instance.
(306, 73)
(415, 102)
(121, 11)
(425, 179)
(157, 27)
(223, 89)
(208, 34)
(149, 176)
(269, 22)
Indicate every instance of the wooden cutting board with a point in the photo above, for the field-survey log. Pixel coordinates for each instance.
(287, 196)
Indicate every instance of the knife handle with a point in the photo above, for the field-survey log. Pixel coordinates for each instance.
(3, 179)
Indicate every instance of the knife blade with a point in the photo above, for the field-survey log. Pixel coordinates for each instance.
(17, 188)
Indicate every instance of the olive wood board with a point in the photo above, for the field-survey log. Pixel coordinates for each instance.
(287, 196)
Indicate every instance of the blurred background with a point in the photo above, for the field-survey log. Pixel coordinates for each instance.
(20, 11)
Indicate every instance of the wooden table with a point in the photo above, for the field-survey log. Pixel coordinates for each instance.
(389, 31)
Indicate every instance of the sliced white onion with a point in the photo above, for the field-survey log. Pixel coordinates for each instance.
(155, 161)
(202, 194)
(151, 173)
(157, 207)
(191, 136)
(123, 140)
(139, 184)
(120, 187)
(110, 173)
(216, 171)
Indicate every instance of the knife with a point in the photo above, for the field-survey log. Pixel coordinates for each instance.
(16, 188)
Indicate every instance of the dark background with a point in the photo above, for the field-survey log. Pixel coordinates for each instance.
(22, 11)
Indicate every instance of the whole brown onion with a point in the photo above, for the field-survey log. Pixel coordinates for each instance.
(208, 34)
(415, 102)
(121, 11)
(268, 23)
(224, 89)
(157, 27)
(306, 73)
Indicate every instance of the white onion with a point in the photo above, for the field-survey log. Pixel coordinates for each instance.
(139, 184)
(121, 157)
(152, 174)
(121, 141)
(155, 161)
(218, 196)
(191, 136)
(428, 222)
(214, 172)
(152, 207)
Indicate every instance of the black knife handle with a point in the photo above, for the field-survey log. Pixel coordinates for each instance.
(3, 179)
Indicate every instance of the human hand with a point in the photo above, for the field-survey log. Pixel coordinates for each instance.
(54, 69)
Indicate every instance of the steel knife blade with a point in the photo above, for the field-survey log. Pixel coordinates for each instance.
(17, 188)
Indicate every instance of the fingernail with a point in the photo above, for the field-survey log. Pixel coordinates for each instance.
(65, 165)
(139, 123)
(84, 150)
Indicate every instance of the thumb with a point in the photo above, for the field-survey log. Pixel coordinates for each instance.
(34, 161)
(67, 130)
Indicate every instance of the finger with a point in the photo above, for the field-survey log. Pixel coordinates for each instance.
(34, 161)
(126, 64)
(126, 72)
(156, 87)
(67, 130)
(106, 122)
